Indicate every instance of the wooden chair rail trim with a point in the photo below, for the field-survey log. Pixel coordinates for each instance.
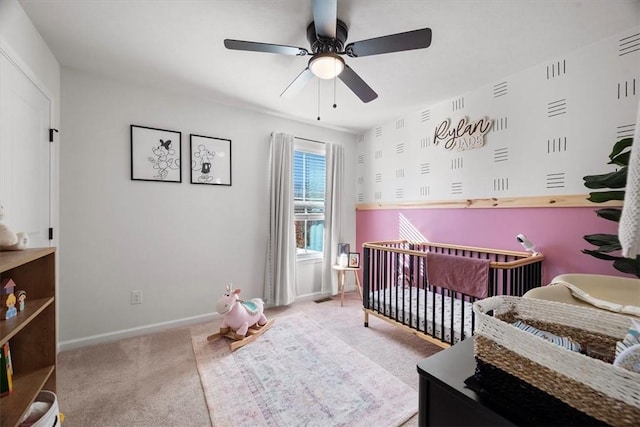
(576, 200)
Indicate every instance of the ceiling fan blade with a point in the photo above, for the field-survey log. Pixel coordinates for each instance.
(325, 16)
(297, 84)
(265, 47)
(357, 85)
(416, 39)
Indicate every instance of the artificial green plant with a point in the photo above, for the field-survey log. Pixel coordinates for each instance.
(614, 184)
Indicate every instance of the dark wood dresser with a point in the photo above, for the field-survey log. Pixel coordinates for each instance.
(444, 398)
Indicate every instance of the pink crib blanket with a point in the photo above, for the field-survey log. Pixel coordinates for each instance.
(458, 273)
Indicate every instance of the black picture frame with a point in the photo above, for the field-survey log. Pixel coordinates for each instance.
(354, 260)
(210, 160)
(156, 154)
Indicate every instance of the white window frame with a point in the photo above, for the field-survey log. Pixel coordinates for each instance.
(313, 148)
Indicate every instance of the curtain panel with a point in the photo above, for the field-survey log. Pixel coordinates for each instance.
(333, 214)
(280, 274)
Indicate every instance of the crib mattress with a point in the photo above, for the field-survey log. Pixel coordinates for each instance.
(407, 305)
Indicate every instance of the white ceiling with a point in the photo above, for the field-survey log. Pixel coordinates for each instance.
(178, 45)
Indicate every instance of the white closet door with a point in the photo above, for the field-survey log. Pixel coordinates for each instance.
(25, 154)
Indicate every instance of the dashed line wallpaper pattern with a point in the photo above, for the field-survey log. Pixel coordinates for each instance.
(552, 124)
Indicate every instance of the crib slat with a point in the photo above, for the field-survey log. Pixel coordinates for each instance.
(452, 317)
(462, 336)
(442, 314)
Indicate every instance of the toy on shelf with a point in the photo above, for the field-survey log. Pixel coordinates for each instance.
(243, 322)
(7, 299)
(10, 241)
(22, 299)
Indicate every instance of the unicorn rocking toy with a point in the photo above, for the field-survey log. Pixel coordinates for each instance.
(243, 322)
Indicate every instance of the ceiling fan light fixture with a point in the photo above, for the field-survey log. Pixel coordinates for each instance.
(326, 65)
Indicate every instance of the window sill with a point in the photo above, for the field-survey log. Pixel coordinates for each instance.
(309, 259)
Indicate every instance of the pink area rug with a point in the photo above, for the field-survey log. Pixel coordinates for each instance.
(297, 373)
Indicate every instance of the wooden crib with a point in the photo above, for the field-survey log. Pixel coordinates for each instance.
(397, 286)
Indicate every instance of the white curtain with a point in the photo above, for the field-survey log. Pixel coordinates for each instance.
(280, 275)
(629, 227)
(333, 214)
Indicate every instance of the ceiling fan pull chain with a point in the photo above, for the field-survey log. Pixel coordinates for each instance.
(318, 99)
(334, 85)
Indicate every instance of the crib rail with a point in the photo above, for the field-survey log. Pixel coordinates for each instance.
(396, 286)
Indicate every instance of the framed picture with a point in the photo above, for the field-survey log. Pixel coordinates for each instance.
(354, 259)
(155, 154)
(210, 160)
(343, 248)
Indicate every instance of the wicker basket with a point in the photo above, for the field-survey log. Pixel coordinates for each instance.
(592, 386)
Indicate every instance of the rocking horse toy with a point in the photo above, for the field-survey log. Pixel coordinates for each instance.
(243, 322)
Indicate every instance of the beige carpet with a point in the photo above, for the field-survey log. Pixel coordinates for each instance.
(153, 380)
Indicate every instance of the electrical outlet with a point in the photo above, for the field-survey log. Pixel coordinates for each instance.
(136, 297)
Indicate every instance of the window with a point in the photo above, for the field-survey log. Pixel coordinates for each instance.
(308, 198)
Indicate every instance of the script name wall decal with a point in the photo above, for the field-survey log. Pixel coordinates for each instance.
(464, 136)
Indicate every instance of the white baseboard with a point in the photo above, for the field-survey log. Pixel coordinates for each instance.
(312, 296)
(133, 332)
(157, 327)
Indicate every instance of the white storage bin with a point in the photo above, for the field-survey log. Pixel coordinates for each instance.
(44, 411)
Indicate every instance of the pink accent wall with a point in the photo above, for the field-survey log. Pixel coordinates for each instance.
(556, 232)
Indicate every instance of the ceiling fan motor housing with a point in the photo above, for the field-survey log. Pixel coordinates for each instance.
(326, 44)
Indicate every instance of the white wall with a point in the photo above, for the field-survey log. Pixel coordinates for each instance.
(179, 243)
(552, 124)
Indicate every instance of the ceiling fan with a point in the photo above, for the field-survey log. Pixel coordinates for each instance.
(327, 36)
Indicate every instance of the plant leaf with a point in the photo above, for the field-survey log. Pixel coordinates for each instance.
(602, 239)
(605, 196)
(617, 179)
(619, 146)
(628, 265)
(609, 248)
(621, 159)
(605, 242)
(600, 255)
(612, 214)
